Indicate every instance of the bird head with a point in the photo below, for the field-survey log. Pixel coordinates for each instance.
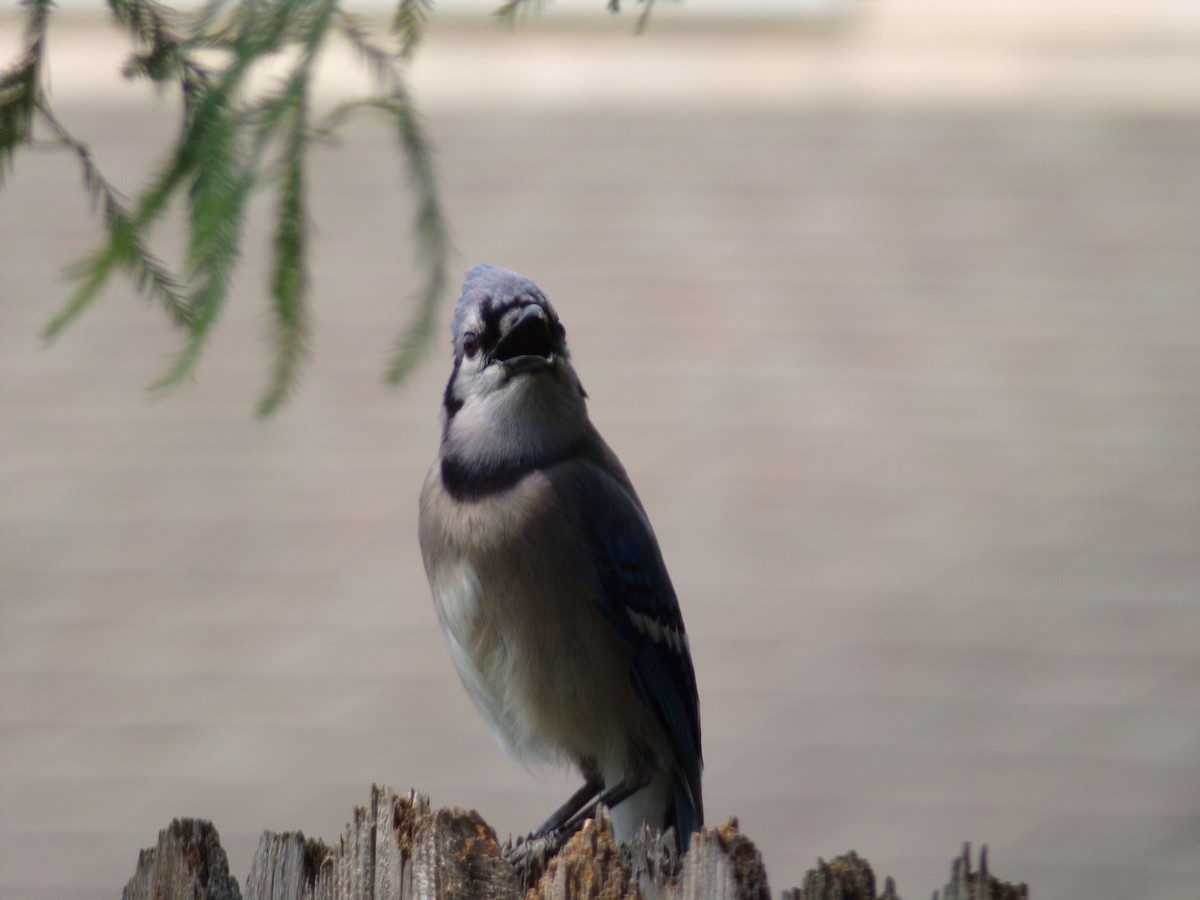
(513, 397)
(503, 319)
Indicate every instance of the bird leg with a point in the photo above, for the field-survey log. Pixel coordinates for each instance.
(610, 797)
(572, 814)
(529, 856)
(568, 810)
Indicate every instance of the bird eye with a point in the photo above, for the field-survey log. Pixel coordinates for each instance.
(470, 343)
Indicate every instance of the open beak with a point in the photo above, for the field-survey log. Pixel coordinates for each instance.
(528, 344)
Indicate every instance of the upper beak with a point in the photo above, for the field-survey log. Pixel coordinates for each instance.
(528, 343)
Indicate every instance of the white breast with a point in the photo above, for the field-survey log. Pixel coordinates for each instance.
(457, 595)
(484, 659)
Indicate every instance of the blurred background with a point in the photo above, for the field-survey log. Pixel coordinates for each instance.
(891, 310)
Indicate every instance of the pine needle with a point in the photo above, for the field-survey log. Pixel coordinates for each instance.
(509, 11)
(433, 240)
(20, 86)
(409, 23)
(289, 280)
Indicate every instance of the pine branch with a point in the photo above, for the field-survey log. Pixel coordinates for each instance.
(206, 17)
(18, 102)
(510, 10)
(231, 140)
(209, 158)
(644, 18)
(433, 243)
(20, 86)
(219, 189)
(289, 281)
(429, 222)
(150, 275)
(382, 63)
(409, 24)
(433, 239)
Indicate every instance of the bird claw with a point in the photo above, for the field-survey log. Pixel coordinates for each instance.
(531, 854)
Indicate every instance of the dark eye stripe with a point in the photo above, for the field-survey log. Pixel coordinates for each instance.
(492, 313)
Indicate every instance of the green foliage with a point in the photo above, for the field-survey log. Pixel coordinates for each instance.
(510, 9)
(234, 140)
(409, 23)
(21, 85)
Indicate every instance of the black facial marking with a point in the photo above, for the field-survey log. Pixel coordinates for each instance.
(464, 481)
(449, 401)
(467, 481)
(490, 335)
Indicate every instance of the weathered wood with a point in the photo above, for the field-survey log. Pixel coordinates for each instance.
(188, 863)
(722, 863)
(982, 885)
(284, 867)
(846, 877)
(588, 865)
(397, 848)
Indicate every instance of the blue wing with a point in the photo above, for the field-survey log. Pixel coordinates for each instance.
(636, 598)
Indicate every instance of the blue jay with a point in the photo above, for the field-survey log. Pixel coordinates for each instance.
(547, 578)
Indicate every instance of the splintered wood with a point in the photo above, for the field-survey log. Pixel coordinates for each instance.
(398, 848)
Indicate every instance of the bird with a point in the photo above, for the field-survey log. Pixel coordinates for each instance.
(547, 579)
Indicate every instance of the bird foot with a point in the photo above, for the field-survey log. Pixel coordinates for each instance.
(530, 855)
